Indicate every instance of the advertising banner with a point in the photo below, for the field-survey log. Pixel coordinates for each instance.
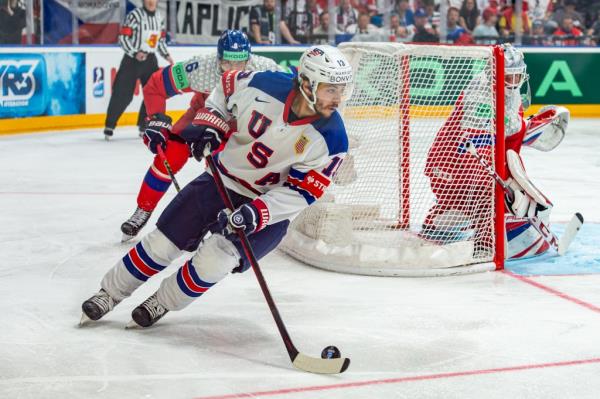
(564, 78)
(203, 21)
(556, 76)
(101, 69)
(42, 84)
(57, 81)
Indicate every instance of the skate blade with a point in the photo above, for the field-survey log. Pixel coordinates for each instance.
(132, 325)
(106, 137)
(126, 238)
(84, 320)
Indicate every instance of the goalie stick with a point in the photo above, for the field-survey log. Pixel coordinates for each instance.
(299, 360)
(163, 158)
(560, 245)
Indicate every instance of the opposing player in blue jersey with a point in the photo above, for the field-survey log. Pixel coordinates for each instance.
(290, 142)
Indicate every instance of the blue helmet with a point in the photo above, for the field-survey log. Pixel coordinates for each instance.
(233, 45)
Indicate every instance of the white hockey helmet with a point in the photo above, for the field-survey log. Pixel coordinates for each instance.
(515, 69)
(325, 64)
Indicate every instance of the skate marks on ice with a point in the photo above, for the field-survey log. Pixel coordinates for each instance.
(55, 249)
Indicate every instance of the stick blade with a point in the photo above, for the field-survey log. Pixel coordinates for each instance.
(321, 366)
(570, 232)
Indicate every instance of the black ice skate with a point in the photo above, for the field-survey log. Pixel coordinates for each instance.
(108, 133)
(97, 306)
(148, 313)
(134, 224)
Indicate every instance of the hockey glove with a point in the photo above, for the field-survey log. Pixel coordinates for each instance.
(250, 217)
(158, 128)
(207, 129)
(245, 217)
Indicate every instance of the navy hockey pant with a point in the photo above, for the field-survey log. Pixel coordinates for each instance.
(193, 213)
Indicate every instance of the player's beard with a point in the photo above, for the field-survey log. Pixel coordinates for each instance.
(325, 111)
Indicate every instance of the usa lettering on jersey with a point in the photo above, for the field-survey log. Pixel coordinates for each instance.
(289, 165)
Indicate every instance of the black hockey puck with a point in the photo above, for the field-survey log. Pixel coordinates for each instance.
(331, 352)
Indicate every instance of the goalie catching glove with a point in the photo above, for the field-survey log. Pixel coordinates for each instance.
(207, 128)
(158, 128)
(526, 200)
(546, 129)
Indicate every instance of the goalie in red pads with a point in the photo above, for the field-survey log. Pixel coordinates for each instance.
(461, 186)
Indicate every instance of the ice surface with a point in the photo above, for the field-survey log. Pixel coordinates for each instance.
(489, 335)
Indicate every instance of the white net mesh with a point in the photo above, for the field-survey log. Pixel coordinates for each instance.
(408, 199)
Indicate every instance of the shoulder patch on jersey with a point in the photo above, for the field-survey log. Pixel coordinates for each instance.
(334, 133)
(179, 77)
(300, 144)
(275, 84)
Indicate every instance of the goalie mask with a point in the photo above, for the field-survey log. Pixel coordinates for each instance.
(515, 70)
(325, 64)
(515, 75)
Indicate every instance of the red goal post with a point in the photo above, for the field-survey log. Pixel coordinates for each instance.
(408, 200)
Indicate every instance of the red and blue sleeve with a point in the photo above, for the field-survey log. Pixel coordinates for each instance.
(161, 86)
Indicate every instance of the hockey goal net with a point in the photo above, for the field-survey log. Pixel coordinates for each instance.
(408, 200)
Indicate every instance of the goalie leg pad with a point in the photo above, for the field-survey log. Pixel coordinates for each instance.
(215, 258)
(148, 257)
(523, 240)
(527, 199)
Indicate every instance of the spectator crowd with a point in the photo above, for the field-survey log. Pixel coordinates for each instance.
(527, 22)
(537, 23)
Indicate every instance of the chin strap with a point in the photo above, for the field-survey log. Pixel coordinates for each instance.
(311, 103)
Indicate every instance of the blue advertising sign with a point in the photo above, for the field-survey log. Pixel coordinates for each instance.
(42, 84)
(23, 80)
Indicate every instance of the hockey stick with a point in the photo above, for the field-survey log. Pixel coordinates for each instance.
(560, 245)
(163, 158)
(299, 360)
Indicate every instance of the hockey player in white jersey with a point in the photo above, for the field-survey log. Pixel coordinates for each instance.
(199, 75)
(290, 142)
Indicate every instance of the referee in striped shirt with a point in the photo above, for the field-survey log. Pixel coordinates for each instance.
(142, 35)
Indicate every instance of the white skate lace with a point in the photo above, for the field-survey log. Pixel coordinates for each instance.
(139, 217)
(154, 307)
(104, 301)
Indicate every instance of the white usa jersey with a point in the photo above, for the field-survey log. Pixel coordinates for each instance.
(285, 165)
